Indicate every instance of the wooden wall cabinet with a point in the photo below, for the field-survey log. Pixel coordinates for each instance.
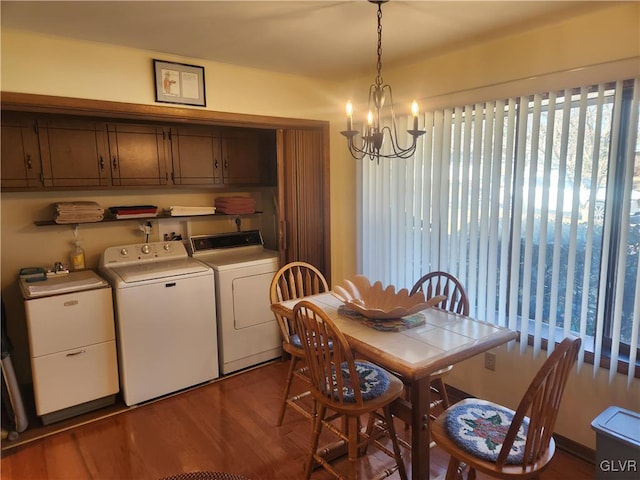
(20, 166)
(64, 151)
(205, 155)
(138, 154)
(196, 155)
(249, 157)
(73, 152)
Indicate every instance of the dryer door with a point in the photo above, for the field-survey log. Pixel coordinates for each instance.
(251, 300)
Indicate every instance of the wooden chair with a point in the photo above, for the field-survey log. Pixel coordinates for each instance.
(331, 368)
(515, 445)
(457, 301)
(292, 281)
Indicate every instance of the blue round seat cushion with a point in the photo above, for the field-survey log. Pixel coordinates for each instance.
(295, 341)
(480, 429)
(372, 381)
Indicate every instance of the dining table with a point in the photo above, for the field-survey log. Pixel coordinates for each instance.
(412, 353)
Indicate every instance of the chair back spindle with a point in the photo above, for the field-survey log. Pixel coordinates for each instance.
(295, 280)
(443, 283)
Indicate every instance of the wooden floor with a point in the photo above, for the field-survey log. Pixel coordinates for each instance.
(228, 425)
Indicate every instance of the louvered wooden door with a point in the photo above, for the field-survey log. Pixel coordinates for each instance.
(304, 233)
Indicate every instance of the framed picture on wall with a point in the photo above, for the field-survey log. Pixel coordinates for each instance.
(179, 83)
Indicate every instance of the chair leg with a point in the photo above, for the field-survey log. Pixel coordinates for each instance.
(452, 469)
(397, 453)
(353, 432)
(368, 432)
(317, 430)
(287, 388)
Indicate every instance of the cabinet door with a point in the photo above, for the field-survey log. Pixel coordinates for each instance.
(73, 152)
(137, 154)
(303, 198)
(72, 377)
(241, 157)
(20, 152)
(63, 322)
(196, 155)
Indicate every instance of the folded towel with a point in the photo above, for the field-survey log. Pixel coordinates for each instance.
(236, 210)
(77, 212)
(233, 205)
(236, 201)
(79, 206)
(78, 218)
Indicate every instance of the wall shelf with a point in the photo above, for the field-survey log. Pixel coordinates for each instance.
(47, 223)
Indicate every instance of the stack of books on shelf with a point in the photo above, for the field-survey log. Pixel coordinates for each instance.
(133, 211)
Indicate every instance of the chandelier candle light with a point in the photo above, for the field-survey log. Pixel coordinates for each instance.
(375, 134)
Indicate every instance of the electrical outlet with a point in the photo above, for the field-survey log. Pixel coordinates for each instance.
(490, 361)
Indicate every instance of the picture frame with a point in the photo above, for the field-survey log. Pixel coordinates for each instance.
(179, 83)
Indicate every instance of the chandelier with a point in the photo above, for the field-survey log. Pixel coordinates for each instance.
(375, 135)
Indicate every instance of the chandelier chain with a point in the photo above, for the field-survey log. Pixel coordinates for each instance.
(379, 52)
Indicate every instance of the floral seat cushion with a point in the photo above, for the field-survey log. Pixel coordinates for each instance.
(480, 429)
(372, 381)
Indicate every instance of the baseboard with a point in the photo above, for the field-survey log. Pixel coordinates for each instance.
(563, 443)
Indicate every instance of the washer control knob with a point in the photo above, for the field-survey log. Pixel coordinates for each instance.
(146, 249)
(124, 252)
(167, 247)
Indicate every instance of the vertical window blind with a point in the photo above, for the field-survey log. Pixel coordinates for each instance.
(533, 203)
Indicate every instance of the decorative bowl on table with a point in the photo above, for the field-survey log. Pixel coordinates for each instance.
(376, 302)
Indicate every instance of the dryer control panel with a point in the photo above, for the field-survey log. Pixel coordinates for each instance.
(221, 241)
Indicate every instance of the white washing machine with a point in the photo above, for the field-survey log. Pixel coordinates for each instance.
(248, 333)
(165, 316)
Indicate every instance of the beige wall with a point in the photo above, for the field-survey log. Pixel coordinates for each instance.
(526, 61)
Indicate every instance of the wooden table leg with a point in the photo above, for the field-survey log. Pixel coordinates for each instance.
(420, 432)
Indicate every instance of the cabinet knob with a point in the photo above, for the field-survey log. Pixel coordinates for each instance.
(101, 163)
(29, 165)
(115, 162)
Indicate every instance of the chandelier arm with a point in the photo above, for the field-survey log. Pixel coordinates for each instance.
(359, 152)
(397, 150)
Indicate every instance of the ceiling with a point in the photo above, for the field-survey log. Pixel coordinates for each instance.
(321, 39)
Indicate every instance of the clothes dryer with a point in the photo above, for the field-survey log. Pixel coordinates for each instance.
(248, 333)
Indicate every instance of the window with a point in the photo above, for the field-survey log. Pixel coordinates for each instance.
(534, 203)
